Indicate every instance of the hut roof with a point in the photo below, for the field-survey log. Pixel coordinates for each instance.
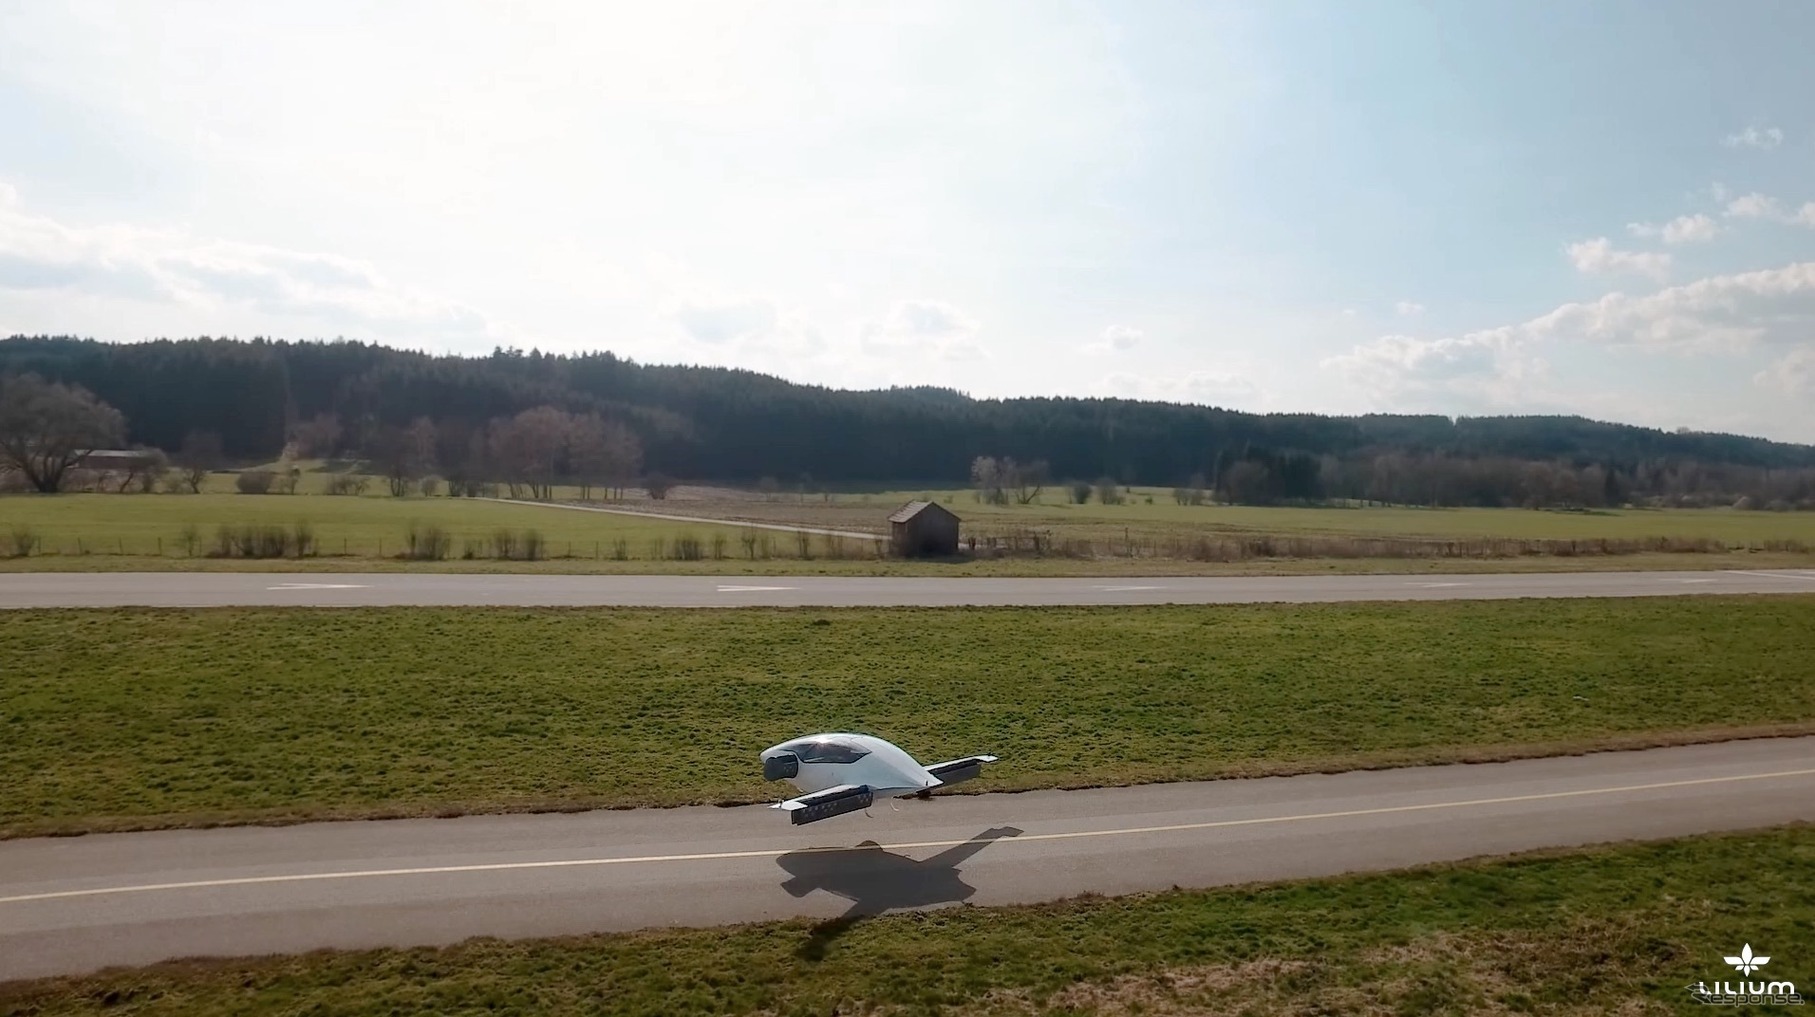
(909, 511)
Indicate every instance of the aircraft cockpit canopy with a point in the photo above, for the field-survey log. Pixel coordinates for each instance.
(826, 750)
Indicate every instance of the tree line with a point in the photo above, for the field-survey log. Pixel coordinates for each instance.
(529, 419)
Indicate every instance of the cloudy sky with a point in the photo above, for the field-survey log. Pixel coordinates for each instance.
(1486, 206)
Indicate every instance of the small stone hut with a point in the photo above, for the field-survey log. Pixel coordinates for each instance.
(923, 529)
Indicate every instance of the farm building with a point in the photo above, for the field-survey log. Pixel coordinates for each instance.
(923, 528)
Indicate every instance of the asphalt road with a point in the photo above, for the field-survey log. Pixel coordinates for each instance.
(74, 905)
(216, 589)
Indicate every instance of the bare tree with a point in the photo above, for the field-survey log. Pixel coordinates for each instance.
(422, 440)
(626, 456)
(201, 453)
(396, 454)
(478, 471)
(588, 452)
(46, 428)
(1193, 491)
(527, 449)
(145, 469)
(986, 473)
(455, 456)
(1029, 480)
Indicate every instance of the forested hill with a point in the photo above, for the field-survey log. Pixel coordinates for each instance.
(736, 425)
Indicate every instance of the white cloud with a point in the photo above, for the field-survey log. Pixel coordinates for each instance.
(1122, 337)
(1753, 206)
(1729, 314)
(923, 325)
(1753, 137)
(1792, 375)
(1115, 339)
(1761, 206)
(1719, 313)
(727, 320)
(1681, 230)
(1600, 257)
(211, 275)
(752, 325)
(1397, 366)
(1407, 307)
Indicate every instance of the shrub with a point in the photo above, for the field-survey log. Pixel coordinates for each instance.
(504, 544)
(21, 541)
(429, 543)
(255, 481)
(262, 541)
(526, 545)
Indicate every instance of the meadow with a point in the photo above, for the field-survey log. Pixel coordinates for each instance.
(123, 719)
(112, 530)
(322, 532)
(1610, 929)
(1152, 513)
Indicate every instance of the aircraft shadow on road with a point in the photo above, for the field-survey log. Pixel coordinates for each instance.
(876, 881)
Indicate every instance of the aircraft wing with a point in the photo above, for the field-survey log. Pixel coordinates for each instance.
(953, 771)
(833, 801)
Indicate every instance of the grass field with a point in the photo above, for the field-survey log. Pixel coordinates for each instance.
(111, 532)
(144, 718)
(1163, 517)
(102, 528)
(1617, 929)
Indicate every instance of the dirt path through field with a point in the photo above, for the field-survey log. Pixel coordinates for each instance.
(852, 534)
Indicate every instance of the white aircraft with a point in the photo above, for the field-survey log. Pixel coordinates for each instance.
(841, 773)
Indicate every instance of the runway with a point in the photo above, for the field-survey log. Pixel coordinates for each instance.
(317, 589)
(74, 905)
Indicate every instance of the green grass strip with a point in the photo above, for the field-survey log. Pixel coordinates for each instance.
(1615, 929)
(133, 718)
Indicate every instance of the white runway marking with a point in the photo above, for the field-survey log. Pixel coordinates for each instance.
(776, 852)
(1432, 586)
(1808, 577)
(751, 589)
(1117, 589)
(319, 586)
